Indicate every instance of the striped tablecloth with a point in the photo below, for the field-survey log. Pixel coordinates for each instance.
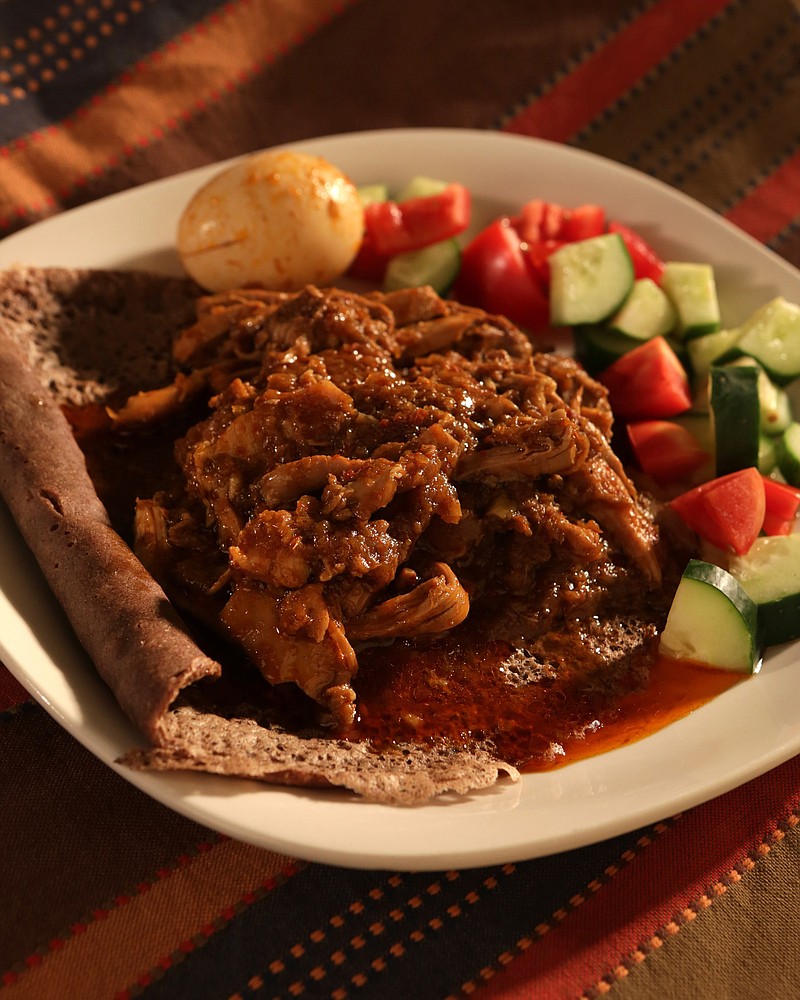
(107, 894)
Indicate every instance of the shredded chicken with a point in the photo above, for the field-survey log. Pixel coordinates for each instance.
(372, 468)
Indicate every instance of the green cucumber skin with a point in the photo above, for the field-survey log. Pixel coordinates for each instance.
(788, 453)
(709, 603)
(597, 347)
(736, 417)
(779, 621)
(770, 573)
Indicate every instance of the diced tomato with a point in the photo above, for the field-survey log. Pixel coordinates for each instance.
(395, 227)
(773, 525)
(728, 511)
(494, 275)
(538, 255)
(648, 383)
(667, 451)
(369, 264)
(782, 505)
(582, 223)
(646, 262)
(782, 500)
(539, 220)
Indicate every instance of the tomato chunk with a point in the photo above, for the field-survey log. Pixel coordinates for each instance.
(646, 262)
(495, 276)
(395, 227)
(728, 511)
(783, 501)
(538, 257)
(539, 220)
(648, 382)
(665, 450)
(774, 525)
(582, 223)
(368, 264)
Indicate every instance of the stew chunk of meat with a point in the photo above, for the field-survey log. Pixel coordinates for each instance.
(375, 468)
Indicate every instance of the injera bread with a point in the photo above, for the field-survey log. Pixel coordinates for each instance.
(80, 336)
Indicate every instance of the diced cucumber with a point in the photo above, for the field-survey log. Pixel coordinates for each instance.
(788, 446)
(767, 454)
(712, 621)
(589, 280)
(709, 349)
(693, 291)
(775, 407)
(421, 187)
(772, 336)
(597, 347)
(436, 265)
(647, 312)
(735, 417)
(371, 193)
(770, 573)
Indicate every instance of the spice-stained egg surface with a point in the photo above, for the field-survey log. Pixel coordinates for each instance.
(278, 219)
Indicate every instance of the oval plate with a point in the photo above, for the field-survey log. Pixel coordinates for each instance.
(741, 734)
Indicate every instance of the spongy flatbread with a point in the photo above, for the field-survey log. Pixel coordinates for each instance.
(78, 336)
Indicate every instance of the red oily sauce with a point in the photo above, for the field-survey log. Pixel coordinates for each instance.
(470, 695)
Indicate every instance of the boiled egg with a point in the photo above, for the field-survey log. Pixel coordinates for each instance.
(278, 219)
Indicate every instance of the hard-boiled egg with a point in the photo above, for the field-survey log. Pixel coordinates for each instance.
(278, 219)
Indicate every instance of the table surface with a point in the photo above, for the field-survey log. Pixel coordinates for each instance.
(108, 894)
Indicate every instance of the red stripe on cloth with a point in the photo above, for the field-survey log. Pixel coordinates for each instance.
(582, 945)
(772, 205)
(12, 693)
(605, 75)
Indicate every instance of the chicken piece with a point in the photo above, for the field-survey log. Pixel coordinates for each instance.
(322, 668)
(436, 605)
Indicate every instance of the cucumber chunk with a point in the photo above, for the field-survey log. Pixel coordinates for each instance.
(767, 455)
(774, 404)
(435, 265)
(712, 621)
(788, 448)
(421, 187)
(735, 417)
(771, 335)
(597, 347)
(589, 280)
(693, 291)
(709, 349)
(646, 313)
(770, 573)
(369, 194)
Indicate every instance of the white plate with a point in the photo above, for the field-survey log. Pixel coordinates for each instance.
(741, 734)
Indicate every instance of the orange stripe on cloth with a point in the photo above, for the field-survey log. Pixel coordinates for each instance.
(772, 205)
(606, 74)
(172, 917)
(152, 98)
